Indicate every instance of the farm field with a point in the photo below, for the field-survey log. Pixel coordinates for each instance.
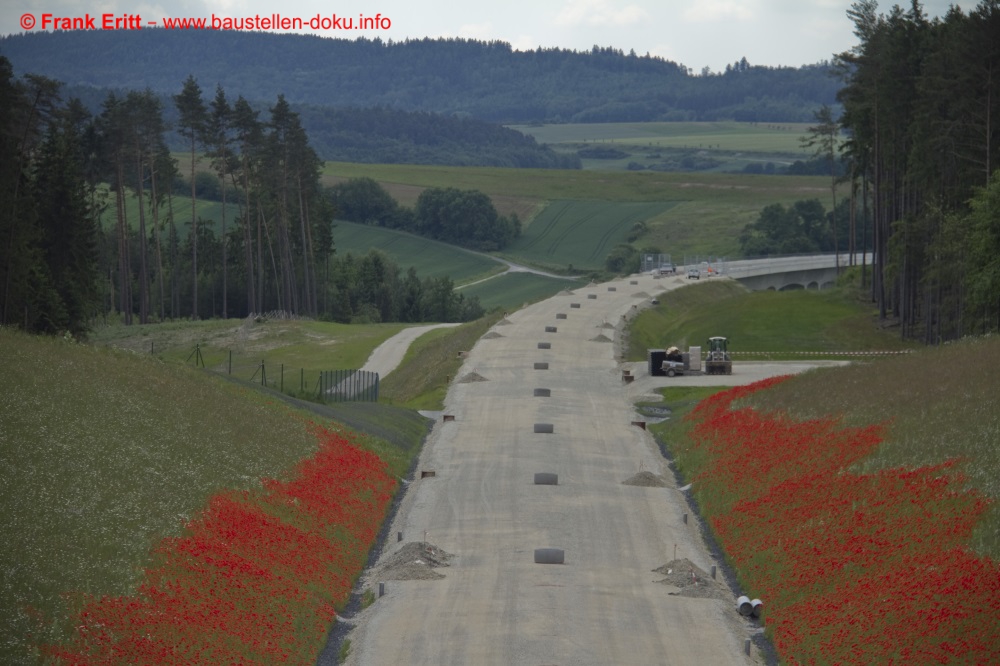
(677, 146)
(710, 210)
(733, 136)
(512, 290)
(580, 233)
(430, 258)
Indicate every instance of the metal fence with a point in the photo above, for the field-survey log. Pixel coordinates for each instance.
(325, 386)
(348, 385)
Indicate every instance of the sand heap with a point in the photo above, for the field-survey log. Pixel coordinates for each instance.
(492, 335)
(472, 377)
(414, 561)
(692, 580)
(646, 480)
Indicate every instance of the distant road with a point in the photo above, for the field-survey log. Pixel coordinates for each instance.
(387, 356)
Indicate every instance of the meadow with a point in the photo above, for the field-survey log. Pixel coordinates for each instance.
(512, 290)
(754, 137)
(430, 258)
(580, 234)
(703, 146)
(106, 452)
(706, 215)
(783, 323)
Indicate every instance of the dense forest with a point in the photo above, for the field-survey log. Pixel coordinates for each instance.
(61, 168)
(922, 113)
(464, 78)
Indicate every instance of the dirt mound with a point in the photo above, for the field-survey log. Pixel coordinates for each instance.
(640, 294)
(601, 338)
(566, 291)
(414, 561)
(472, 377)
(692, 580)
(504, 322)
(492, 335)
(646, 480)
(606, 324)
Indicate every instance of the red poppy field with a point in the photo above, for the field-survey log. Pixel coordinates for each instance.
(255, 578)
(854, 568)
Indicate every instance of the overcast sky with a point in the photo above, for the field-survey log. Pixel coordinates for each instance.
(696, 33)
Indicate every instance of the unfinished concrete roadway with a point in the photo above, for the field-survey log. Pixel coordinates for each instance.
(495, 605)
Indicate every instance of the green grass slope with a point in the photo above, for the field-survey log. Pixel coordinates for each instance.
(510, 291)
(104, 452)
(430, 258)
(580, 233)
(832, 320)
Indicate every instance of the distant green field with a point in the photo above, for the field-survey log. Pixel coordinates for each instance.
(713, 208)
(512, 290)
(209, 212)
(430, 258)
(581, 233)
(756, 137)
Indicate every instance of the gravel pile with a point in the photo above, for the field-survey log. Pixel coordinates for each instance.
(504, 322)
(640, 294)
(692, 580)
(646, 480)
(601, 338)
(472, 377)
(606, 324)
(492, 335)
(414, 561)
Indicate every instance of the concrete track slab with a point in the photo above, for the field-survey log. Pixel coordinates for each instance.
(495, 605)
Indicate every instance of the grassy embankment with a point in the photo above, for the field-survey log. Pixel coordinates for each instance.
(833, 320)
(938, 403)
(106, 452)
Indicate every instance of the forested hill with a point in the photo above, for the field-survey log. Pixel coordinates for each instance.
(484, 80)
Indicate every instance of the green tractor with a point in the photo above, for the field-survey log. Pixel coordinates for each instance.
(718, 361)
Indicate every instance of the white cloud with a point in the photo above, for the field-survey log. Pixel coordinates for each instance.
(599, 12)
(712, 11)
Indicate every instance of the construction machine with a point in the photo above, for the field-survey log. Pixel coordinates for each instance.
(718, 361)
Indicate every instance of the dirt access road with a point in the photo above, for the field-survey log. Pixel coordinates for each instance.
(495, 605)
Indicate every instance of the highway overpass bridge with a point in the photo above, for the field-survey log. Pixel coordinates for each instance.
(786, 273)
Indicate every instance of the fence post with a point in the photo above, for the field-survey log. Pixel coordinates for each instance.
(282, 377)
(230, 361)
(302, 380)
(263, 374)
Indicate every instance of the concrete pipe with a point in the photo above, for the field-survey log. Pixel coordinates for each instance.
(612, 288)
(544, 428)
(592, 296)
(744, 606)
(550, 556)
(550, 329)
(561, 315)
(574, 305)
(541, 366)
(633, 282)
(545, 345)
(758, 607)
(546, 479)
(543, 393)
